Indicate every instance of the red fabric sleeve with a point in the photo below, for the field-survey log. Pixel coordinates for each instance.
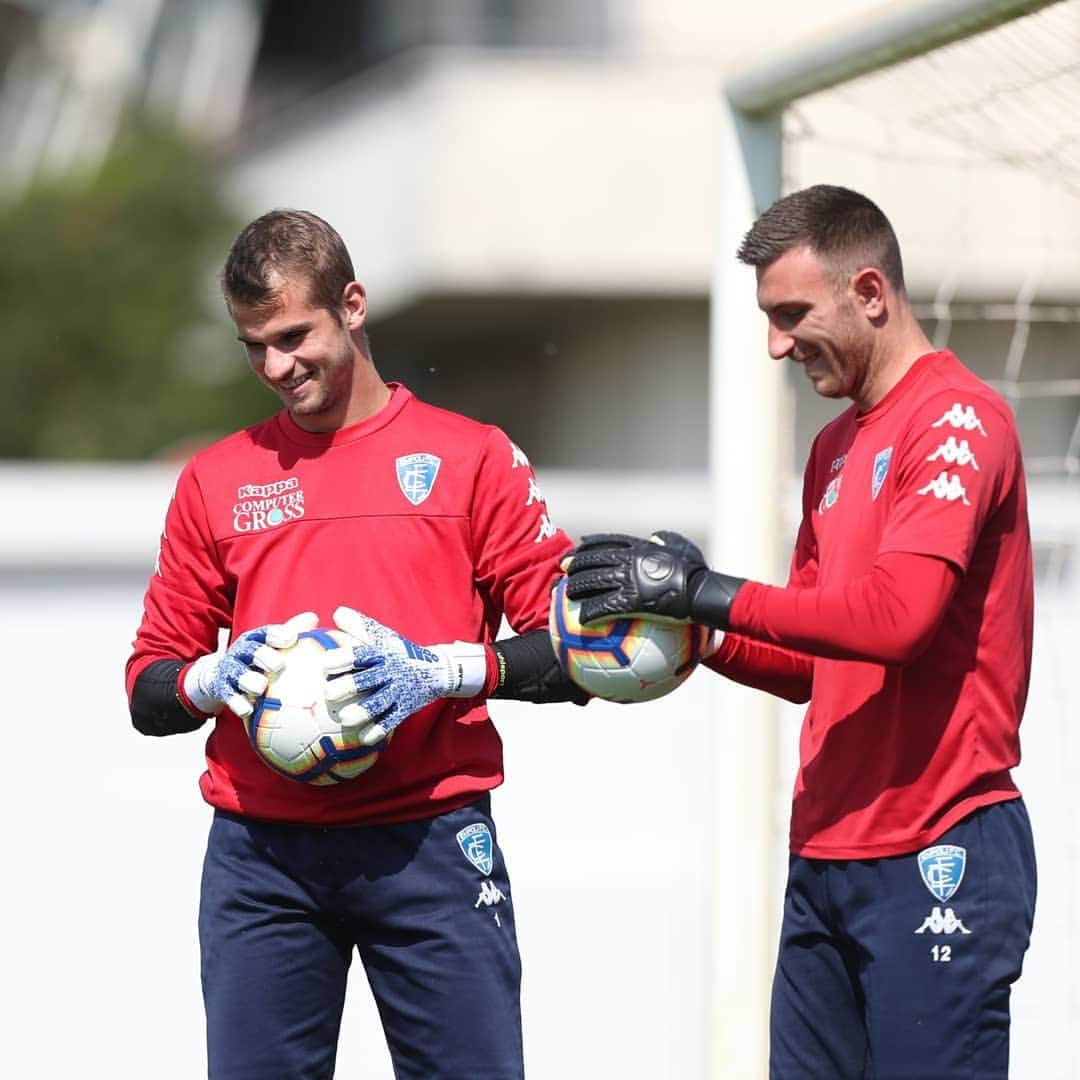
(954, 465)
(887, 617)
(516, 546)
(775, 670)
(189, 595)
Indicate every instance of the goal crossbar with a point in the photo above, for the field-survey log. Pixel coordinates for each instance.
(898, 33)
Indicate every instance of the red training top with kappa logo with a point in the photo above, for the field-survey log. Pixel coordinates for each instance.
(893, 755)
(426, 520)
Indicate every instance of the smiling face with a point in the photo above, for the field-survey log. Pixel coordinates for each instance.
(824, 326)
(305, 353)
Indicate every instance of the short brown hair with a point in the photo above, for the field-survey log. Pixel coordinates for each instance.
(287, 245)
(843, 228)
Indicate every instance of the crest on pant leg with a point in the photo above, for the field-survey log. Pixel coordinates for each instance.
(475, 843)
(942, 869)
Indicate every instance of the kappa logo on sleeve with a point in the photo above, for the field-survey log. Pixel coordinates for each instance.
(545, 527)
(476, 845)
(545, 530)
(416, 475)
(953, 452)
(519, 460)
(946, 486)
(961, 416)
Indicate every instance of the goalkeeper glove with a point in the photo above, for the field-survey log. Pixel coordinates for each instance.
(612, 574)
(234, 678)
(391, 677)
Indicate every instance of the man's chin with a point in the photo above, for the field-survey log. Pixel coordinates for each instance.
(310, 405)
(825, 387)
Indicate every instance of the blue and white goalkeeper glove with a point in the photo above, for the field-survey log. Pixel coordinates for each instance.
(234, 678)
(392, 677)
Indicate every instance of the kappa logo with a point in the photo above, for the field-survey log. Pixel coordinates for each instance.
(942, 869)
(946, 486)
(476, 845)
(490, 894)
(881, 470)
(263, 506)
(961, 416)
(832, 493)
(416, 475)
(545, 530)
(955, 453)
(939, 922)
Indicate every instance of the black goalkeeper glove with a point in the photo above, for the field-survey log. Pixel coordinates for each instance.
(612, 574)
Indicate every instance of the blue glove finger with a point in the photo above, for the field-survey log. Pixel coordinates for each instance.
(366, 656)
(370, 678)
(379, 705)
(249, 641)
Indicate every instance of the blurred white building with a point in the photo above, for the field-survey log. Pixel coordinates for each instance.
(529, 188)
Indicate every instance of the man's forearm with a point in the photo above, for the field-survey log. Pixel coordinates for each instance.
(156, 708)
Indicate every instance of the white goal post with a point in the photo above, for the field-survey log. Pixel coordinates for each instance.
(750, 449)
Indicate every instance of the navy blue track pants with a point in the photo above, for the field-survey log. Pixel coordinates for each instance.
(425, 903)
(901, 968)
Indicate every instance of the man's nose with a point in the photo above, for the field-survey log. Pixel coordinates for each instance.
(277, 364)
(780, 343)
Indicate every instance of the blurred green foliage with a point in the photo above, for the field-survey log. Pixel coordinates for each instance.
(115, 343)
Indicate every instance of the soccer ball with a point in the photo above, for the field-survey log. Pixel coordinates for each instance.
(629, 659)
(293, 728)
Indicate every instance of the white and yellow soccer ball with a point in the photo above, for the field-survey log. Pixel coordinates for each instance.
(295, 730)
(629, 659)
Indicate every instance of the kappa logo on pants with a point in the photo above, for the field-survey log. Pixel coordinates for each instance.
(939, 922)
(490, 893)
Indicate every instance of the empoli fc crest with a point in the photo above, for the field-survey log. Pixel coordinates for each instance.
(416, 475)
(475, 843)
(942, 869)
(881, 470)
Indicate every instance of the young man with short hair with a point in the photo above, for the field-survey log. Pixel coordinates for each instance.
(356, 494)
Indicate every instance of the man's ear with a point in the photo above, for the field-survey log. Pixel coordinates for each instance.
(354, 301)
(868, 285)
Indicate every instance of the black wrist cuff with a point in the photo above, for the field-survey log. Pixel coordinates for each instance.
(529, 671)
(712, 598)
(155, 706)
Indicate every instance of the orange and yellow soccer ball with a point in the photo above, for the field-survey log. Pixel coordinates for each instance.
(629, 659)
